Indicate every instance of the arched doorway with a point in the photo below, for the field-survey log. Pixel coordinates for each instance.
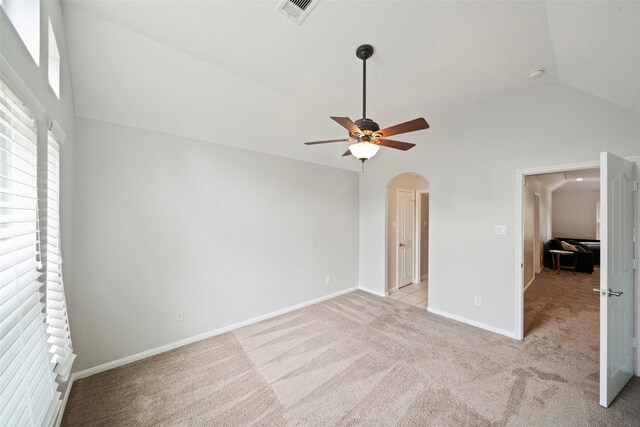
(407, 238)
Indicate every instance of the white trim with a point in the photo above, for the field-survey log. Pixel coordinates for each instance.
(65, 398)
(519, 234)
(529, 284)
(472, 323)
(152, 352)
(57, 130)
(15, 83)
(371, 291)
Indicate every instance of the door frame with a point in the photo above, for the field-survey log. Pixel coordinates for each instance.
(406, 190)
(417, 267)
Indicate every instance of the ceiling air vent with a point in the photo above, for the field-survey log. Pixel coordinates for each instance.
(296, 10)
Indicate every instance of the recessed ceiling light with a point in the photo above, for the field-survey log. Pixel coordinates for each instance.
(579, 179)
(535, 73)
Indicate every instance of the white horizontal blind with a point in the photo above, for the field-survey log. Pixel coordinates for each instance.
(28, 393)
(58, 329)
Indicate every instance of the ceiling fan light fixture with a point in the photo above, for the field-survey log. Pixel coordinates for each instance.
(367, 132)
(363, 151)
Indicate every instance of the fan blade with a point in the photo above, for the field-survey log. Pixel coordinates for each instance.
(348, 124)
(404, 146)
(406, 127)
(347, 153)
(327, 141)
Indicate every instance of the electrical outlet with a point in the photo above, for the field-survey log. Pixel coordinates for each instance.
(179, 315)
(328, 279)
(477, 300)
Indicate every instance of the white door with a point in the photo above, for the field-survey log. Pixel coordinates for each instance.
(405, 232)
(617, 177)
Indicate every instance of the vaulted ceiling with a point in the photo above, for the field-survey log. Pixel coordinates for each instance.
(239, 73)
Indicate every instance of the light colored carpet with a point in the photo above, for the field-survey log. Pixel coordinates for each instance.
(364, 360)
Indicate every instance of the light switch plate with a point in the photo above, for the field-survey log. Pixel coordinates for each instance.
(501, 230)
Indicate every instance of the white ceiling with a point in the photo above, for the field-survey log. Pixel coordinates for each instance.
(568, 181)
(239, 73)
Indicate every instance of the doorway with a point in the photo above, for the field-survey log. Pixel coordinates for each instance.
(407, 238)
(560, 245)
(583, 301)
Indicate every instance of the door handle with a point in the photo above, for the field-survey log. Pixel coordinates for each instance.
(401, 244)
(608, 292)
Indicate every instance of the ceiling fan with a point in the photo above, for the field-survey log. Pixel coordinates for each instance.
(366, 133)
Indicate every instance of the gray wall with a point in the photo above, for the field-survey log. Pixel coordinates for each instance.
(165, 223)
(574, 213)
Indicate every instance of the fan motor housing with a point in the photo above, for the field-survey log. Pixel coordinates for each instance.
(367, 126)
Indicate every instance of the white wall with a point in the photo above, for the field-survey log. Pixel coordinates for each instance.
(471, 162)
(532, 188)
(574, 213)
(165, 223)
(406, 181)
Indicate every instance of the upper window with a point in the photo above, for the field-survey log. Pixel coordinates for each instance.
(25, 17)
(54, 62)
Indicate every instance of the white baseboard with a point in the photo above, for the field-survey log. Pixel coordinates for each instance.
(152, 352)
(529, 284)
(472, 323)
(371, 291)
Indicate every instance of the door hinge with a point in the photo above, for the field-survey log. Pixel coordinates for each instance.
(635, 343)
(635, 264)
(635, 185)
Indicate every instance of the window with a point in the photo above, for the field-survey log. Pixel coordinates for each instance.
(29, 391)
(54, 62)
(25, 17)
(58, 329)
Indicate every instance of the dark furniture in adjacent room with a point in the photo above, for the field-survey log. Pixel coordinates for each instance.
(584, 261)
(590, 244)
